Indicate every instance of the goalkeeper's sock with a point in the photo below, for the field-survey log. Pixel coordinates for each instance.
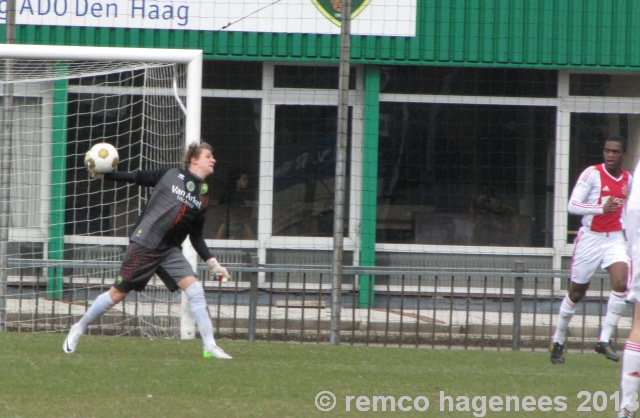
(630, 379)
(615, 308)
(200, 313)
(567, 309)
(99, 307)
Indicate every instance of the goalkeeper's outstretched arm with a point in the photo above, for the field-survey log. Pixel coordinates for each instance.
(148, 178)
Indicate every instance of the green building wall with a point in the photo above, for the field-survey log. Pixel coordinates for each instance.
(576, 34)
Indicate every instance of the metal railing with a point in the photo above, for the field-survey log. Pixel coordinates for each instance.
(485, 309)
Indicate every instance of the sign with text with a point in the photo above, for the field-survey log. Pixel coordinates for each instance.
(369, 17)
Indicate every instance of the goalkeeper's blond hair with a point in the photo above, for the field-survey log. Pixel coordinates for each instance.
(194, 150)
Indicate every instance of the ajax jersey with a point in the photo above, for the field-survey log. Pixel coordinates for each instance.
(594, 187)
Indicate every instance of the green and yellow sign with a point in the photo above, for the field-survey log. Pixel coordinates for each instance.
(332, 9)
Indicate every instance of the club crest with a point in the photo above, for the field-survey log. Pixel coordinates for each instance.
(332, 9)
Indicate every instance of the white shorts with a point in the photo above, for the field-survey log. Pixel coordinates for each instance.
(594, 251)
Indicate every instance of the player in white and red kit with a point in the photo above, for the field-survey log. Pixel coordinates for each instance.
(599, 196)
(630, 373)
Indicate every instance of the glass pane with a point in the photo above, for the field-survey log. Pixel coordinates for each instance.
(232, 127)
(303, 183)
(469, 81)
(26, 153)
(310, 77)
(465, 175)
(92, 116)
(588, 132)
(232, 75)
(604, 85)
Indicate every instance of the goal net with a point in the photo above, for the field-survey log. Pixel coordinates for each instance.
(62, 235)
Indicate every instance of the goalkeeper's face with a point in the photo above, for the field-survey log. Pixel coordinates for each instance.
(204, 164)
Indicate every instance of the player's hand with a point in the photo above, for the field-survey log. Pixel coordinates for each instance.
(93, 174)
(611, 205)
(217, 271)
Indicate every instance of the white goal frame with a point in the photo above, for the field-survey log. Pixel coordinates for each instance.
(191, 59)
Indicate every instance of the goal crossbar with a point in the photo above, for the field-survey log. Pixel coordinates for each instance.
(96, 53)
(191, 58)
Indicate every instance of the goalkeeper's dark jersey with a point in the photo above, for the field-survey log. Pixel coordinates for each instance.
(176, 209)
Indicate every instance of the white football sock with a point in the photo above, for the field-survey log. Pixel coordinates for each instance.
(630, 380)
(615, 308)
(200, 313)
(567, 309)
(99, 307)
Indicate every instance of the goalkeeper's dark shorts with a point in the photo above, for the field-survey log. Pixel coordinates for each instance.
(141, 263)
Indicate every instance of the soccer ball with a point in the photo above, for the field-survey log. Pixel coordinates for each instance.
(101, 158)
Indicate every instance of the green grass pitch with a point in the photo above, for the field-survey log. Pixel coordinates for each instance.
(138, 377)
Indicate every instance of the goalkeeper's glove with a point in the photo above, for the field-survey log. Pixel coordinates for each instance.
(217, 271)
(92, 174)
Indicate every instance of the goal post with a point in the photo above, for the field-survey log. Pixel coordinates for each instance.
(57, 102)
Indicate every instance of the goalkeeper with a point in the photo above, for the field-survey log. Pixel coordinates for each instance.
(176, 209)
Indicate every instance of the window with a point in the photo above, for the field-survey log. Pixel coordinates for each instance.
(231, 75)
(458, 81)
(604, 85)
(232, 128)
(305, 164)
(465, 174)
(27, 168)
(310, 77)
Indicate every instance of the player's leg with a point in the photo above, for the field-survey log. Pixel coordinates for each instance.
(585, 261)
(576, 293)
(630, 376)
(616, 261)
(99, 307)
(615, 308)
(200, 311)
(176, 266)
(138, 266)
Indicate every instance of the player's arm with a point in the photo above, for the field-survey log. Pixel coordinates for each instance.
(197, 240)
(630, 188)
(148, 178)
(578, 201)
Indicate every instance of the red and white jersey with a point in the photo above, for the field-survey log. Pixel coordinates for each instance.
(593, 188)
